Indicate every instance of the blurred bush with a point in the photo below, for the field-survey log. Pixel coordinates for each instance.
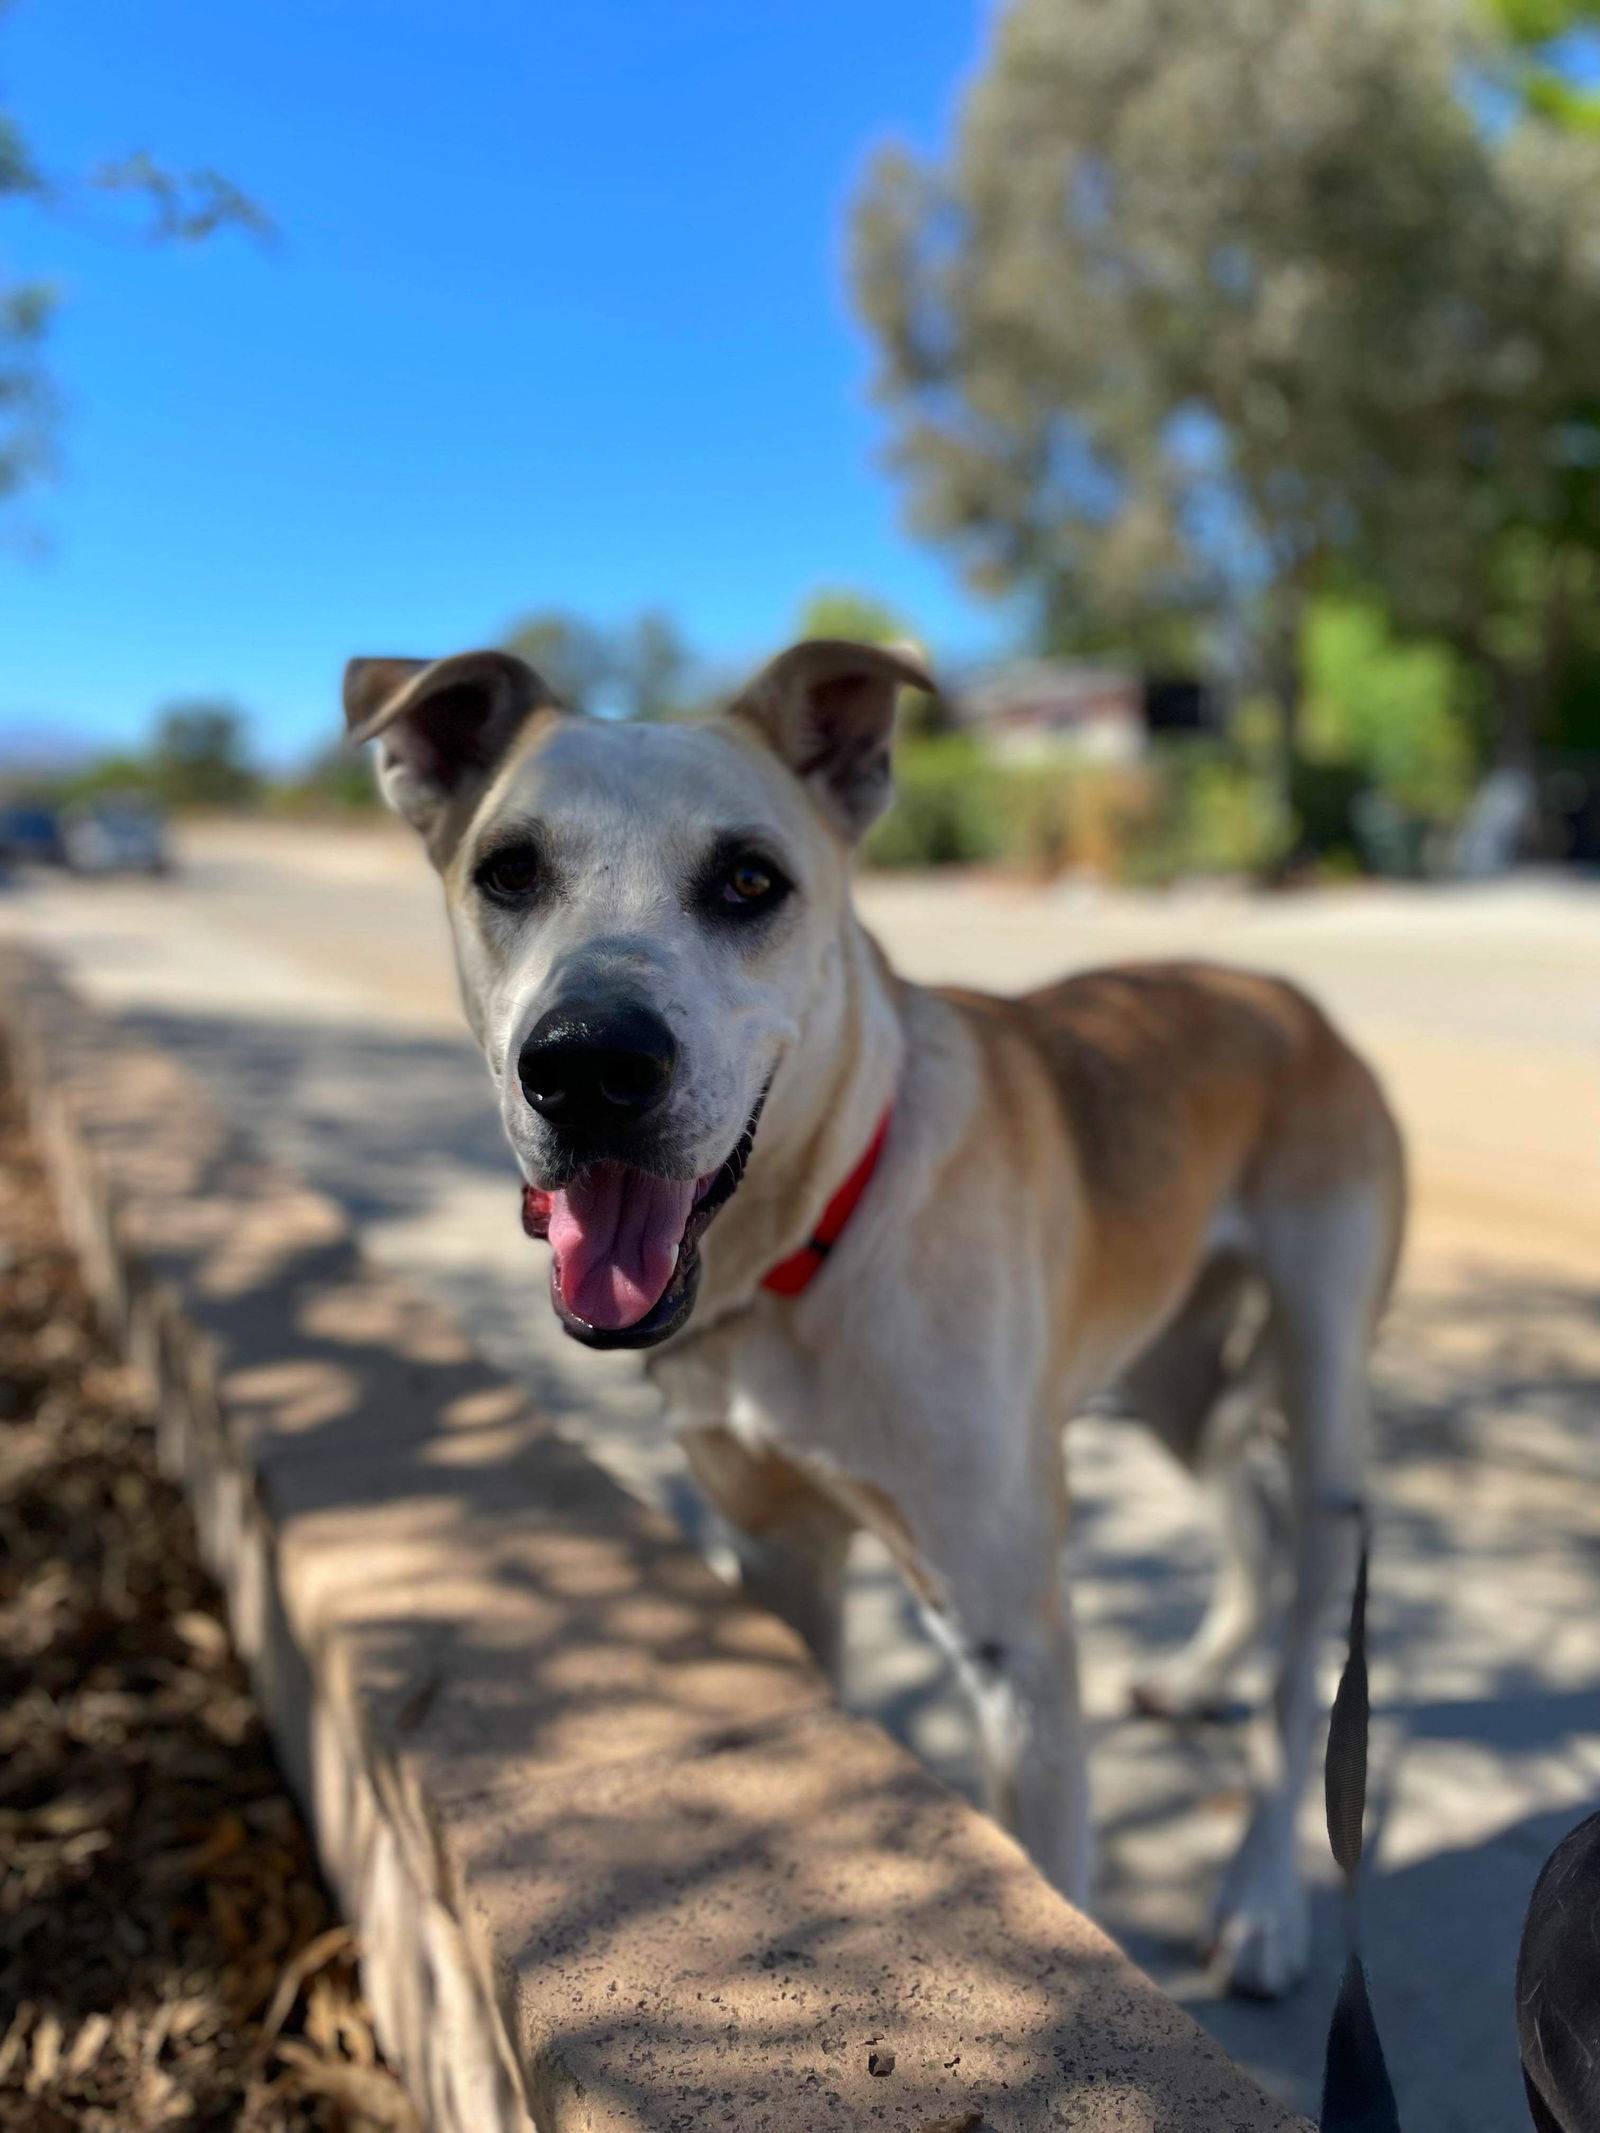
(201, 757)
(338, 781)
(643, 669)
(1080, 818)
(1196, 807)
(1219, 812)
(198, 757)
(946, 810)
(1396, 715)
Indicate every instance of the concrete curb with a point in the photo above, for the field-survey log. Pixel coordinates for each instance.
(618, 1862)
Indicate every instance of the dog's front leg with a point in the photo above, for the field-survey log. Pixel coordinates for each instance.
(791, 1539)
(1007, 1622)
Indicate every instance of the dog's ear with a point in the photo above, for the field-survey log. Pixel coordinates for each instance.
(441, 725)
(827, 708)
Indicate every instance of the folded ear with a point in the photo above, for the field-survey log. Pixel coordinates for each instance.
(441, 726)
(827, 708)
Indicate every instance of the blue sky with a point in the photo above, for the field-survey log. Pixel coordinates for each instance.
(557, 319)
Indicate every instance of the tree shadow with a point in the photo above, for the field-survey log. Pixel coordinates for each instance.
(367, 1114)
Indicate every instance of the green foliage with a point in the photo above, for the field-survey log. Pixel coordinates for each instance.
(1074, 817)
(1540, 22)
(26, 402)
(1575, 712)
(1200, 807)
(199, 757)
(25, 307)
(654, 667)
(1395, 712)
(570, 653)
(117, 772)
(339, 780)
(946, 806)
(646, 669)
(1140, 330)
(838, 611)
(1215, 303)
(184, 209)
(1223, 815)
(1535, 73)
(1325, 800)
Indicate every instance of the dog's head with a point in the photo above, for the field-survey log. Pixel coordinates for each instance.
(646, 920)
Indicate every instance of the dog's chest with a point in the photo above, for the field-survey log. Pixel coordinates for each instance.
(846, 1412)
(774, 1399)
(782, 1398)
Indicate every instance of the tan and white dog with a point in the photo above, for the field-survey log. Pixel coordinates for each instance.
(1173, 1179)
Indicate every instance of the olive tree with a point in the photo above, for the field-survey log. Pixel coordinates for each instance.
(1215, 303)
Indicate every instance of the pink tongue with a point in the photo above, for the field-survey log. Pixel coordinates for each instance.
(615, 1234)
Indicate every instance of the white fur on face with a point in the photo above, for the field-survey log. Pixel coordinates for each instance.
(627, 818)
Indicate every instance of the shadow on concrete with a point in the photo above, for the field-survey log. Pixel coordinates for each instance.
(365, 1113)
(1441, 1940)
(1486, 1584)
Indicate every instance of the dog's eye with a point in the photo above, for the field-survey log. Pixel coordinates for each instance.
(510, 876)
(750, 883)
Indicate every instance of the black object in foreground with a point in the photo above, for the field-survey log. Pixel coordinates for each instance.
(1558, 1987)
(1356, 2092)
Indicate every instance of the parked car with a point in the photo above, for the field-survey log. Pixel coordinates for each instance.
(29, 830)
(116, 833)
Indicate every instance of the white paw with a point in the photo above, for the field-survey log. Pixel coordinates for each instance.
(1261, 1943)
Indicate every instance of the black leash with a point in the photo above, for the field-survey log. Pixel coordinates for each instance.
(1356, 2093)
(1558, 1970)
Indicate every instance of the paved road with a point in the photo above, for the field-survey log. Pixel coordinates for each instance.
(305, 975)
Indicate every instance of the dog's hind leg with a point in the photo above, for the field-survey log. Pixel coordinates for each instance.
(1239, 1466)
(1328, 1260)
(792, 1539)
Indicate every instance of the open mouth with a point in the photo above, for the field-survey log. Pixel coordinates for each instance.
(625, 1260)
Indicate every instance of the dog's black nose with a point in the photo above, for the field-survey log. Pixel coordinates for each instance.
(591, 1065)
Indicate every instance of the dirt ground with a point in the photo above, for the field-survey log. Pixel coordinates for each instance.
(168, 1954)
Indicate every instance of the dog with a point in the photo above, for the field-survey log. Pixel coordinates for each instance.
(883, 1240)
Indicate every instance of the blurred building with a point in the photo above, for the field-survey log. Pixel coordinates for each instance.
(1102, 712)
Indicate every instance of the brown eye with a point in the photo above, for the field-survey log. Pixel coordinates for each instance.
(748, 882)
(739, 883)
(510, 876)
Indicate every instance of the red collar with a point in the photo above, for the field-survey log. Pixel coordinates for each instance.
(790, 1276)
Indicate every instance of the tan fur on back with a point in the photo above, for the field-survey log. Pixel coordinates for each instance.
(1183, 1087)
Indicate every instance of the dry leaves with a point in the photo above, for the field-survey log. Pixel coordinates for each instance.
(168, 1955)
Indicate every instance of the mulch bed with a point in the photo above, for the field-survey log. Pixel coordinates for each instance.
(168, 1954)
